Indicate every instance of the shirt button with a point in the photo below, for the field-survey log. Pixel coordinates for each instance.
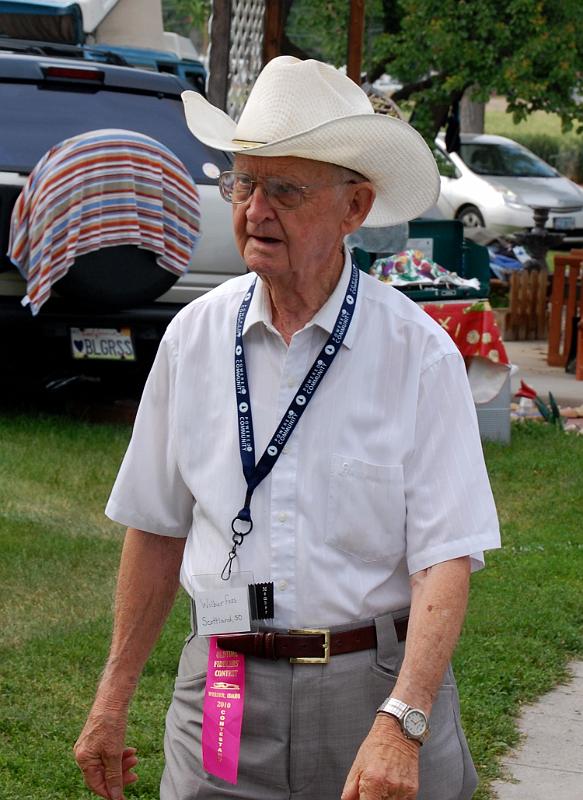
(282, 516)
(281, 586)
(291, 382)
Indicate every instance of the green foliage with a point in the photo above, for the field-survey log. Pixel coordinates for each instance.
(527, 50)
(550, 413)
(181, 16)
(320, 29)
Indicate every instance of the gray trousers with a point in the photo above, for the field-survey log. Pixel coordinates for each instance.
(302, 727)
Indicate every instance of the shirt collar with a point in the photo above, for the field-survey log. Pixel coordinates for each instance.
(325, 318)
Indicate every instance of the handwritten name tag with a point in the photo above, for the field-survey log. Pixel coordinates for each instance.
(223, 610)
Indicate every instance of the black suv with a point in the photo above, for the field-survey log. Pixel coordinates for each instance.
(46, 98)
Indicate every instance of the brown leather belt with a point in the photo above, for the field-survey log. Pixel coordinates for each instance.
(308, 645)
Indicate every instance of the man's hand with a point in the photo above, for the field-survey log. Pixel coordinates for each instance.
(146, 588)
(386, 766)
(100, 753)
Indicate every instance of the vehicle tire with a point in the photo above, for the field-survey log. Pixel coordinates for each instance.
(471, 217)
(115, 277)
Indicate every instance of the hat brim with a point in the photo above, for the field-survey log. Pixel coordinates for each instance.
(390, 153)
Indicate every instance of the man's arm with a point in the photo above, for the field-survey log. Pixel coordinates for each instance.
(386, 766)
(147, 584)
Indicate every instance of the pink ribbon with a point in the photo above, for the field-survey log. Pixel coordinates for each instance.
(223, 712)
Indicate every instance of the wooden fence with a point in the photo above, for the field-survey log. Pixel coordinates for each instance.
(527, 311)
(566, 309)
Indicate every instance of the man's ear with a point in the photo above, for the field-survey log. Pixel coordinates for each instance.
(361, 197)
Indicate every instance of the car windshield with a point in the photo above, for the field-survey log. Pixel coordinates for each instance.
(33, 119)
(505, 159)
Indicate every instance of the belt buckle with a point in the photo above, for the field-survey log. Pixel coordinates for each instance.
(325, 659)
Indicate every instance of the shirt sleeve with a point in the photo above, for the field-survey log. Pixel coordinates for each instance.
(450, 507)
(149, 492)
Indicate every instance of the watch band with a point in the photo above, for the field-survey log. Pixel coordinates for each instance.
(395, 707)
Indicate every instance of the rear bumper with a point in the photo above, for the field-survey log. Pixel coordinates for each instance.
(58, 311)
(38, 349)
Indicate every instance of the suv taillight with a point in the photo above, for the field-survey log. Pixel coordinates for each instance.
(74, 74)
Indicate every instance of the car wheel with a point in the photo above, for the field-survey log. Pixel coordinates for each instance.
(471, 217)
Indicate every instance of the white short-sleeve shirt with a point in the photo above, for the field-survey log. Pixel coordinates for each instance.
(383, 476)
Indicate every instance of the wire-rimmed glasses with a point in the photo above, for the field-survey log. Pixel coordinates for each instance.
(283, 194)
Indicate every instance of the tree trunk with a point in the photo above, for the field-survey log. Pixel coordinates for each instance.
(273, 30)
(471, 114)
(355, 40)
(218, 81)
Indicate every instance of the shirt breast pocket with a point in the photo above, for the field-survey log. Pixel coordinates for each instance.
(366, 510)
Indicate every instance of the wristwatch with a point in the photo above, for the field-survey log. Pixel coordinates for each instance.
(413, 721)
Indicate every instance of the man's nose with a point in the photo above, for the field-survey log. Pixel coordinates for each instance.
(258, 205)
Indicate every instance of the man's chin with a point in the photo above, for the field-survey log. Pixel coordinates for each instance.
(264, 264)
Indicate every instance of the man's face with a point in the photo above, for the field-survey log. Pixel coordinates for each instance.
(302, 240)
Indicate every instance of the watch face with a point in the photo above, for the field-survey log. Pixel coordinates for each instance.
(415, 723)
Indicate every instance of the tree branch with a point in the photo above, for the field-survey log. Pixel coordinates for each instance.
(417, 86)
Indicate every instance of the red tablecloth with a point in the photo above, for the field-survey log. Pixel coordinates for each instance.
(472, 326)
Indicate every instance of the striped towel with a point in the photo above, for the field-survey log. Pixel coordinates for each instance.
(99, 189)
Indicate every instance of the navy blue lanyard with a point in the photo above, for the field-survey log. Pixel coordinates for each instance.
(242, 525)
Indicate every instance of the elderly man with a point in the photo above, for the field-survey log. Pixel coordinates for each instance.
(306, 438)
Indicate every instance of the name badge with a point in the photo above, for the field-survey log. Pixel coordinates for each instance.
(222, 607)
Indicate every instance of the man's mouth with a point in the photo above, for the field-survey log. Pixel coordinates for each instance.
(265, 239)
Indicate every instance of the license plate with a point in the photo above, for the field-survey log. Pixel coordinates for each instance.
(106, 344)
(564, 223)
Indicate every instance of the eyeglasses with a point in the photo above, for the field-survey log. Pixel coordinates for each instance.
(284, 195)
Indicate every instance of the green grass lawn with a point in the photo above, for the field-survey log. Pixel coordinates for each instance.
(539, 122)
(525, 619)
(57, 572)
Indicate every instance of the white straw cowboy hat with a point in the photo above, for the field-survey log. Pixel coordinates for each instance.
(310, 110)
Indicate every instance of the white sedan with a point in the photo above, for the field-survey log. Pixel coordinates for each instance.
(495, 182)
